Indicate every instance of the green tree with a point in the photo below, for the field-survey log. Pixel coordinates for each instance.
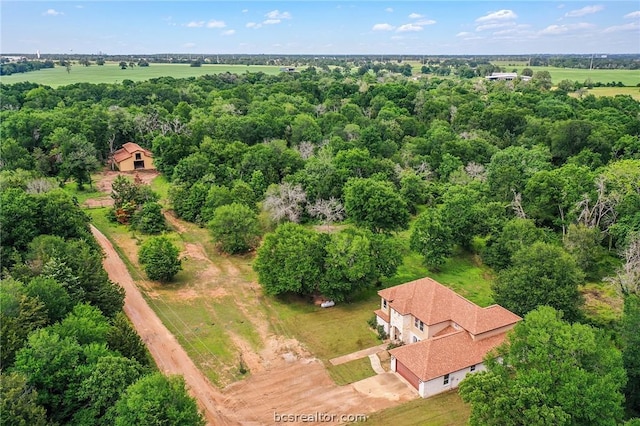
(53, 295)
(100, 392)
(19, 316)
(78, 161)
(516, 234)
(511, 168)
(235, 228)
(19, 402)
(160, 258)
(541, 274)
(158, 400)
(85, 323)
(349, 265)
(432, 238)
(375, 205)
(549, 373)
(290, 260)
(122, 337)
(149, 219)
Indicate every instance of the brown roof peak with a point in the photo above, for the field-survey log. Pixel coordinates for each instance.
(433, 303)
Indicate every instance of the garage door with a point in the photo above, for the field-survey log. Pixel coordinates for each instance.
(407, 374)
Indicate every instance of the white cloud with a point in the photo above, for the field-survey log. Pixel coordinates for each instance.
(587, 10)
(228, 32)
(189, 45)
(424, 22)
(631, 26)
(494, 26)
(195, 24)
(253, 25)
(633, 15)
(389, 10)
(500, 15)
(216, 24)
(463, 34)
(415, 16)
(52, 12)
(245, 10)
(276, 14)
(383, 27)
(271, 21)
(563, 29)
(409, 27)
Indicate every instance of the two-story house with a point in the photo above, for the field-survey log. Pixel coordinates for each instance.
(445, 335)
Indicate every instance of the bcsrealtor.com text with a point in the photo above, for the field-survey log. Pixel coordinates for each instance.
(318, 417)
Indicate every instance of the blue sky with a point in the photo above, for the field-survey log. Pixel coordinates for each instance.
(320, 27)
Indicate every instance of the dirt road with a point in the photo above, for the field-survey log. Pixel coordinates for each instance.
(170, 357)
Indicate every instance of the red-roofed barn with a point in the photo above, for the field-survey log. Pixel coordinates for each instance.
(445, 335)
(133, 157)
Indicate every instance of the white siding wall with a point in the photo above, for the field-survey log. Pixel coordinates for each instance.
(436, 385)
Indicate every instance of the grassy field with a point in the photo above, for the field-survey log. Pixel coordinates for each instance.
(629, 78)
(446, 409)
(634, 92)
(111, 73)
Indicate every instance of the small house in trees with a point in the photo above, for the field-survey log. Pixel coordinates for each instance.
(444, 335)
(133, 157)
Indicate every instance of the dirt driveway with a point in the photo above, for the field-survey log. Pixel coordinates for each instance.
(285, 378)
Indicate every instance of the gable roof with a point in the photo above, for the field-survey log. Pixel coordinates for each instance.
(435, 357)
(128, 149)
(433, 303)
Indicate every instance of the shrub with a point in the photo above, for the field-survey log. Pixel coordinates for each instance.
(159, 257)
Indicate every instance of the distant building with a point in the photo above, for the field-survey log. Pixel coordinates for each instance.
(507, 76)
(445, 336)
(133, 157)
(287, 69)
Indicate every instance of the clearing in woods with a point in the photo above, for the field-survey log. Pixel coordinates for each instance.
(247, 372)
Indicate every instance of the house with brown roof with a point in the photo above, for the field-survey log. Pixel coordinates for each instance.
(133, 157)
(445, 336)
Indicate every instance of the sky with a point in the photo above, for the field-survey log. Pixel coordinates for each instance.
(320, 27)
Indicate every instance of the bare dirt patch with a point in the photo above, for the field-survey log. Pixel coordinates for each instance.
(106, 178)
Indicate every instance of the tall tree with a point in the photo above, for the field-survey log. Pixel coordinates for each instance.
(156, 400)
(235, 228)
(548, 373)
(542, 274)
(290, 260)
(431, 236)
(376, 205)
(19, 402)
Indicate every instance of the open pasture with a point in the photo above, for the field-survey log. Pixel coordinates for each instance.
(112, 73)
(626, 77)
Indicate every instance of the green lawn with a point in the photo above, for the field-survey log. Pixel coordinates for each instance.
(330, 332)
(111, 73)
(351, 371)
(446, 409)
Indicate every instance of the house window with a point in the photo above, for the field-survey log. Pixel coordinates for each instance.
(418, 324)
(384, 303)
(472, 368)
(446, 379)
(415, 339)
(138, 156)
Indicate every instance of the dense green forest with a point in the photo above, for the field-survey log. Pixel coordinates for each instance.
(540, 184)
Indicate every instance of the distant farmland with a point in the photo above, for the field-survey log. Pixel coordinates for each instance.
(111, 73)
(626, 77)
